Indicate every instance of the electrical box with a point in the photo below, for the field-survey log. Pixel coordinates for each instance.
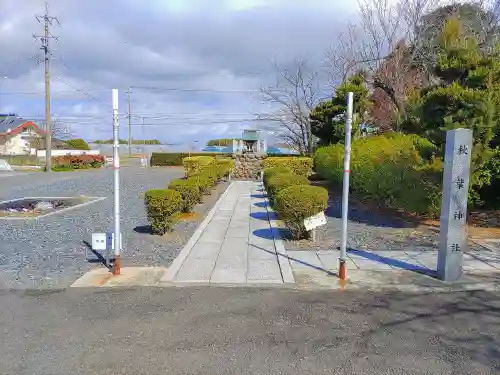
(98, 241)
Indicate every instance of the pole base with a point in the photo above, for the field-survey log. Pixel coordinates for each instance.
(117, 266)
(342, 269)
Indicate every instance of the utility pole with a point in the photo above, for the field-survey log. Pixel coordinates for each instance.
(47, 20)
(129, 94)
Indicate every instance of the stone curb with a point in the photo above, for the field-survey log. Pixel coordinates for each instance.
(283, 259)
(174, 268)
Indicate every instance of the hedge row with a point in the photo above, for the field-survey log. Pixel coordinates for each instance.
(291, 194)
(70, 162)
(164, 206)
(300, 165)
(397, 169)
(165, 159)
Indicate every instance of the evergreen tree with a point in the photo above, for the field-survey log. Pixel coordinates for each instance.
(466, 96)
(328, 117)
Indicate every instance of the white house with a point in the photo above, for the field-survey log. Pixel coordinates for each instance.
(17, 135)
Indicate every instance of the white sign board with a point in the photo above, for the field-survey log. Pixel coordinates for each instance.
(109, 160)
(315, 221)
(98, 241)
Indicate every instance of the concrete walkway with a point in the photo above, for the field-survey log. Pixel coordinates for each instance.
(234, 245)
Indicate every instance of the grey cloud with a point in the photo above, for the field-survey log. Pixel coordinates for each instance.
(116, 43)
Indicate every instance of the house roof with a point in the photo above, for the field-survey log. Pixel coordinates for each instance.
(16, 124)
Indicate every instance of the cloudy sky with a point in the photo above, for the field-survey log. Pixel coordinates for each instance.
(195, 66)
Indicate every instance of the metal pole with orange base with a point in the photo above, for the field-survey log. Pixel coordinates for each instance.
(345, 190)
(116, 180)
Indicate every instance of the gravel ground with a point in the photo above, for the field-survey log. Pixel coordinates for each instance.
(50, 251)
(368, 230)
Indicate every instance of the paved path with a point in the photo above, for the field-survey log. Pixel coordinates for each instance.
(236, 245)
(425, 261)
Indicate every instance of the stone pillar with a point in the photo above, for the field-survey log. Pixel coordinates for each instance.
(453, 233)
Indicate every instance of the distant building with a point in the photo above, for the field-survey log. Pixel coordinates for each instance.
(17, 135)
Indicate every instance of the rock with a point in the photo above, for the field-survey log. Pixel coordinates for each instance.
(247, 166)
(44, 206)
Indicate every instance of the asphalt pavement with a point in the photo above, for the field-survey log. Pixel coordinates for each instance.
(247, 331)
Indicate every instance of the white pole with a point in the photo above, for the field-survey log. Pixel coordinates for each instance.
(116, 165)
(345, 190)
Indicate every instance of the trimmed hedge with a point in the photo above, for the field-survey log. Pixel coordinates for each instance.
(164, 159)
(269, 172)
(225, 165)
(190, 191)
(163, 207)
(300, 165)
(397, 169)
(281, 181)
(298, 202)
(194, 164)
(204, 182)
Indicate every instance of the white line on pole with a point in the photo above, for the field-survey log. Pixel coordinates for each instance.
(345, 190)
(116, 165)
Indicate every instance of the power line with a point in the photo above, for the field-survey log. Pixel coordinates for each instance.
(42, 92)
(193, 90)
(178, 89)
(129, 96)
(47, 20)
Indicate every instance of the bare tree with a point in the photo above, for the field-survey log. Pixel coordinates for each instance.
(60, 132)
(342, 58)
(294, 95)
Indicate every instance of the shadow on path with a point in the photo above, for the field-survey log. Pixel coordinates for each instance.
(258, 196)
(100, 259)
(264, 215)
(143, 229)
(272, 233)
(393, 262)
(330, 273)
(261, 204)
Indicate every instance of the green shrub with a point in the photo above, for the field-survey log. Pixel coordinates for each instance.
(204, 182)
(296, 203)
(281, 181)
(211, 173)
(190, 191)
(194, 164)
(396, 169)
(163, 207)
(300, 165)
(163, 159)
(77, 144)
(225, 166)
(269, 172)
